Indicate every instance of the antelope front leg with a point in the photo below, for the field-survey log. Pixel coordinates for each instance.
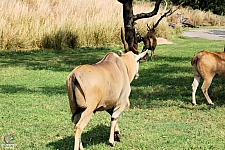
(113, 125)
(117, 133)
(152, 54)
(116, 129)
(112, 130)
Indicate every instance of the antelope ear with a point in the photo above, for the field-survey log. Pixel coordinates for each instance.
(138, 57)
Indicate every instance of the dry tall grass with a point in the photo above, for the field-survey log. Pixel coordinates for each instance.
(29, 24)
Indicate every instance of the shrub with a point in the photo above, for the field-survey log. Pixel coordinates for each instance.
(63, 39)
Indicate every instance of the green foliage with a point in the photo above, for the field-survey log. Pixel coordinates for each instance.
(215, 6)
(35, 109)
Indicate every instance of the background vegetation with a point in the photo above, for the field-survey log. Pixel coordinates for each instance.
(35, 110)
(215, 6)
(63, 24)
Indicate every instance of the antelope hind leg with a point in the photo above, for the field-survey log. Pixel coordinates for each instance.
(78, 128)
(195, 84)
(205, 87)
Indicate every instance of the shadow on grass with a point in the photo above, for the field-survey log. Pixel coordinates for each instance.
(165, 81)
(47, 90)
(95, 136)
(166, 78)
(52, 59)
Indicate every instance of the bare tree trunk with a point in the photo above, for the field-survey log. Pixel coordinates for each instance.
(129, 24)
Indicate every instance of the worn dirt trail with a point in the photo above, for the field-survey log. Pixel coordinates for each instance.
(210, 34)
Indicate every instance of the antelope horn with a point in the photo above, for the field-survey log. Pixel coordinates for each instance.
(148, 27)
(138, 57)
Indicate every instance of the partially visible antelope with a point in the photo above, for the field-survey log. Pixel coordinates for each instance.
(150, 42)
(207, 65)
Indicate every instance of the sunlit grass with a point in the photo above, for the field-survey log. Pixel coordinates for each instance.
(35, 109)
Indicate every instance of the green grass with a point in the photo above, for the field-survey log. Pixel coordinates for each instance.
(34, 105)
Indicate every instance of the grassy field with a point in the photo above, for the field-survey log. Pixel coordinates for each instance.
(35, 110)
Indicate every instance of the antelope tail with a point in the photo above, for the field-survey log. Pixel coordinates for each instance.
(194, 60)
(73, 88)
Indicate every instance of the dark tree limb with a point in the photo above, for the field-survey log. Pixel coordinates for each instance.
(122, 1)
(150, 14)
(164, 15)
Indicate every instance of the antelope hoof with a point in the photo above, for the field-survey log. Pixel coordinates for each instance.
(112, 144)
(117, 136)
(143, 60)
(211, 103)
(193, 104)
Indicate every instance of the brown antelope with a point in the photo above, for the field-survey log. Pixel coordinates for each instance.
(150, 42)
(102, 86)
(207, 65)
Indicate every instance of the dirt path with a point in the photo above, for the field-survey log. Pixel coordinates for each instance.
(210, 34)
(163, 41)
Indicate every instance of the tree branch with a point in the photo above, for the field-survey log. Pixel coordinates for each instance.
(150, 14)
(122, 1)
(166, 14)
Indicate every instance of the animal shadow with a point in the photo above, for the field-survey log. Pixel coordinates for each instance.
(97, 135)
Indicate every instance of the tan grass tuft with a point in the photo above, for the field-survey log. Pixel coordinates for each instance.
(29, 24)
